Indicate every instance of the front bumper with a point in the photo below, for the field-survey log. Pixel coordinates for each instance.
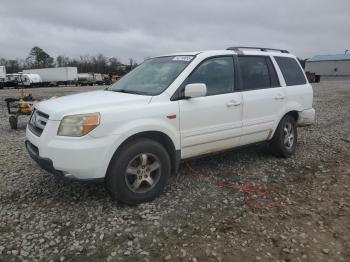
(306, 117)
(47, 165)
(85, 158)
(44, 163)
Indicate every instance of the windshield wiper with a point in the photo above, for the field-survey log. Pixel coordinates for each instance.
(129, 91)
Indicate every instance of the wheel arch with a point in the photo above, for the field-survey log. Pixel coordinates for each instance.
(159, 137)
(293, 113)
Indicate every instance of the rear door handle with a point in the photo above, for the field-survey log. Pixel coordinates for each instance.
(233, 103)
(279, 97)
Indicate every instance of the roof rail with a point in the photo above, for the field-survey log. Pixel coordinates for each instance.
(264, 49)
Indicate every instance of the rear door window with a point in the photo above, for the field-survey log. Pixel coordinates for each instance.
(257, 72)
(291, 71)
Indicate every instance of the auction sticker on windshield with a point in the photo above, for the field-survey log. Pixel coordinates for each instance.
(183, 58)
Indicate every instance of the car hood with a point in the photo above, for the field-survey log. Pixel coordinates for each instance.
(89, 102)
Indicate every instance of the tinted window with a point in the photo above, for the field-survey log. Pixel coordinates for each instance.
(254, 72)
(216, 73)
(291, 71)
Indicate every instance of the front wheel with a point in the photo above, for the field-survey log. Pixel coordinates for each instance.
(139, 172)
(284, 141)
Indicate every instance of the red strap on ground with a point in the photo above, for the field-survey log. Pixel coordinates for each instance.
(249, 190)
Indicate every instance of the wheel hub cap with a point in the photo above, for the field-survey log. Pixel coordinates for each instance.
(143, 173)
(288, 139)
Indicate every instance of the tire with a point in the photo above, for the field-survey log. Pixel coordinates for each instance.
(280, 145)
(135, 186)
(13, 122)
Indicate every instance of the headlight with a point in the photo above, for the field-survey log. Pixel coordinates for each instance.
(78, 125)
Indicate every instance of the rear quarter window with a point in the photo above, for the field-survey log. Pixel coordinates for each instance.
(291, 71)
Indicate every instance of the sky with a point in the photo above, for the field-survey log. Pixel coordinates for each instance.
(143, 28)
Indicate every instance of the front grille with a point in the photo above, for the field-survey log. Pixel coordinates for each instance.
(38, 122)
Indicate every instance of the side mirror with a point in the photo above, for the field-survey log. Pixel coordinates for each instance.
(195, 90)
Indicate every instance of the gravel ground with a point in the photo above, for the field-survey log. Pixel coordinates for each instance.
(45, 219)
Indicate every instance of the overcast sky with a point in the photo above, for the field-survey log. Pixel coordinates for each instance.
(146, 28)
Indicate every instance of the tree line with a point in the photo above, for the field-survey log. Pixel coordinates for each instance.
(38, 58)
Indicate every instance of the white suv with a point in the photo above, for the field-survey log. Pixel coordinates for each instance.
(133, 134)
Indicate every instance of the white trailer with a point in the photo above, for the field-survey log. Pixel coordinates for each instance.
(56, 75)
(2, 76)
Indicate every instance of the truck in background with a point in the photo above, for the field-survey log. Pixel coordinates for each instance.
(22, 80)
(30, 80)
(106, 79)
(12, 80)
(85, 79)
(98, 78)
(55, 75)
(2, 76)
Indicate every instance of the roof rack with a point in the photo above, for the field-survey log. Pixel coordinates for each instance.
(264, 49)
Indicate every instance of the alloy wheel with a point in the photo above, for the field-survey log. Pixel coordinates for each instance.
(288, 135)
(143, 173)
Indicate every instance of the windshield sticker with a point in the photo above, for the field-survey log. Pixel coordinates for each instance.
(183, 58)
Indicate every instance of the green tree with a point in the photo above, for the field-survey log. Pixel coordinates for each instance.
(38, 58)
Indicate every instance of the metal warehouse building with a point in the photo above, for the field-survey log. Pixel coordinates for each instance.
(329, 67)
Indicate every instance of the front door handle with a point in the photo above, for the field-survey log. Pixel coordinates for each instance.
(279, 96)
(233, 103)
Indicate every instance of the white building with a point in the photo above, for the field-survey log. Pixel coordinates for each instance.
(329, 67)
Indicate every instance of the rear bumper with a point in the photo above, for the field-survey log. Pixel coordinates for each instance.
(306, 117)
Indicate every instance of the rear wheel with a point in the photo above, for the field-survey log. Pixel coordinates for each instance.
(139, 172)
(284, 141)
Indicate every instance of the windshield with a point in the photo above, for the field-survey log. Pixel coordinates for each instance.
(153, 76)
